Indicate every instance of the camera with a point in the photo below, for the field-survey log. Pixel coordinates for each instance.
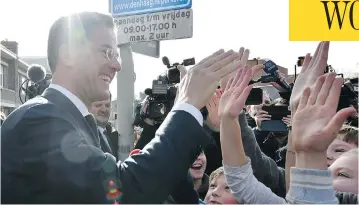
(173, 74)
(349, 97)
(349, 92)
(38, 80)
(161, 97)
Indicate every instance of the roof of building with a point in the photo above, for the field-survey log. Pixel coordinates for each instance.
(7, 54)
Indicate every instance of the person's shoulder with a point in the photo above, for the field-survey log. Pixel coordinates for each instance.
(38, 107)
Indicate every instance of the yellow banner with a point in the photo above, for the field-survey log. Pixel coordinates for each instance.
(315, 20)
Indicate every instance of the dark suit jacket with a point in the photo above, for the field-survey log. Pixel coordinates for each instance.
(112, 138)
(49, 154)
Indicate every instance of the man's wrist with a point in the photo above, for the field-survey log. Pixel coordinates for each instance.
(189, 101)
(191, 109)
(311, 160)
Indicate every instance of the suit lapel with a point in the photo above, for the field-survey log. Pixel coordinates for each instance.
(105, 142)
(64, 103)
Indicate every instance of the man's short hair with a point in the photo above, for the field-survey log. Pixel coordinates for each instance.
(348, 134)
(75, 28)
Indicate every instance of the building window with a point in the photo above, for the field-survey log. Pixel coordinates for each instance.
(2, 75)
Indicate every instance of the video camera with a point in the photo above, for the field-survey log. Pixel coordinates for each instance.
(348, 95)
(161, 97)
(38, 80)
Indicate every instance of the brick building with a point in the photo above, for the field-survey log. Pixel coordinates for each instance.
(12, 74)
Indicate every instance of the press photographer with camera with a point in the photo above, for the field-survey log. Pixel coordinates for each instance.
(38, 80)
(152, 111)
(159, 100)
(271, 139)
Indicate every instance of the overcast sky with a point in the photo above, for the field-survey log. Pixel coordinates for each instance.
(226, 24)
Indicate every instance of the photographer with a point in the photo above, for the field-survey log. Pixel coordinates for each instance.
(150, 114)
(160, 100)
(271, 143)
(148, 125)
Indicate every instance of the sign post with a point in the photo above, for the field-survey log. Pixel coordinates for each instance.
(143, 23)
(125, 100)
(151, 48)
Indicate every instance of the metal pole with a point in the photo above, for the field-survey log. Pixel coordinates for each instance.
(125, 101)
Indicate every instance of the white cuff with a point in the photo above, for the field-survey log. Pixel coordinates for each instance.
(191, 110)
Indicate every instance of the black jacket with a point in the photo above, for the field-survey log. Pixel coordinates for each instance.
(184, 193)
(112, 138)
(203, 189)
(50, 155)
(270, 146)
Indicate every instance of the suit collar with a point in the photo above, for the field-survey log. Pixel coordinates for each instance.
(73, 98)
(65, 104)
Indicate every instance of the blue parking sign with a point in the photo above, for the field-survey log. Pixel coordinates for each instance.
(135, 7)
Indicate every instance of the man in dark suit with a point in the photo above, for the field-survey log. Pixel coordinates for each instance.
(50, 149)
(107, 134)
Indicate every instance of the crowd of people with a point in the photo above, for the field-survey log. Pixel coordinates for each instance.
(60, 147)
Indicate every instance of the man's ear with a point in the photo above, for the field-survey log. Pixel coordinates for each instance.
(67, 55)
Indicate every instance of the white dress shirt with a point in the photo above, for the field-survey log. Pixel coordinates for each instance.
(73, 98)
(191, 110)
(83, 109)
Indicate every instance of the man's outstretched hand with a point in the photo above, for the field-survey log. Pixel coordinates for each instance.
(199, 83)
(243, 55)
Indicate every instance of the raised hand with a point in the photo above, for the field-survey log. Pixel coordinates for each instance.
(243, 56)
(212, 107)
(236, 92)
(316, 120)
(199, 83)
(183, 71)
(312, 69)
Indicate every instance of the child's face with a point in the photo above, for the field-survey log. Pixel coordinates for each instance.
(337, 148)
(345, 173)
(219, 192)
